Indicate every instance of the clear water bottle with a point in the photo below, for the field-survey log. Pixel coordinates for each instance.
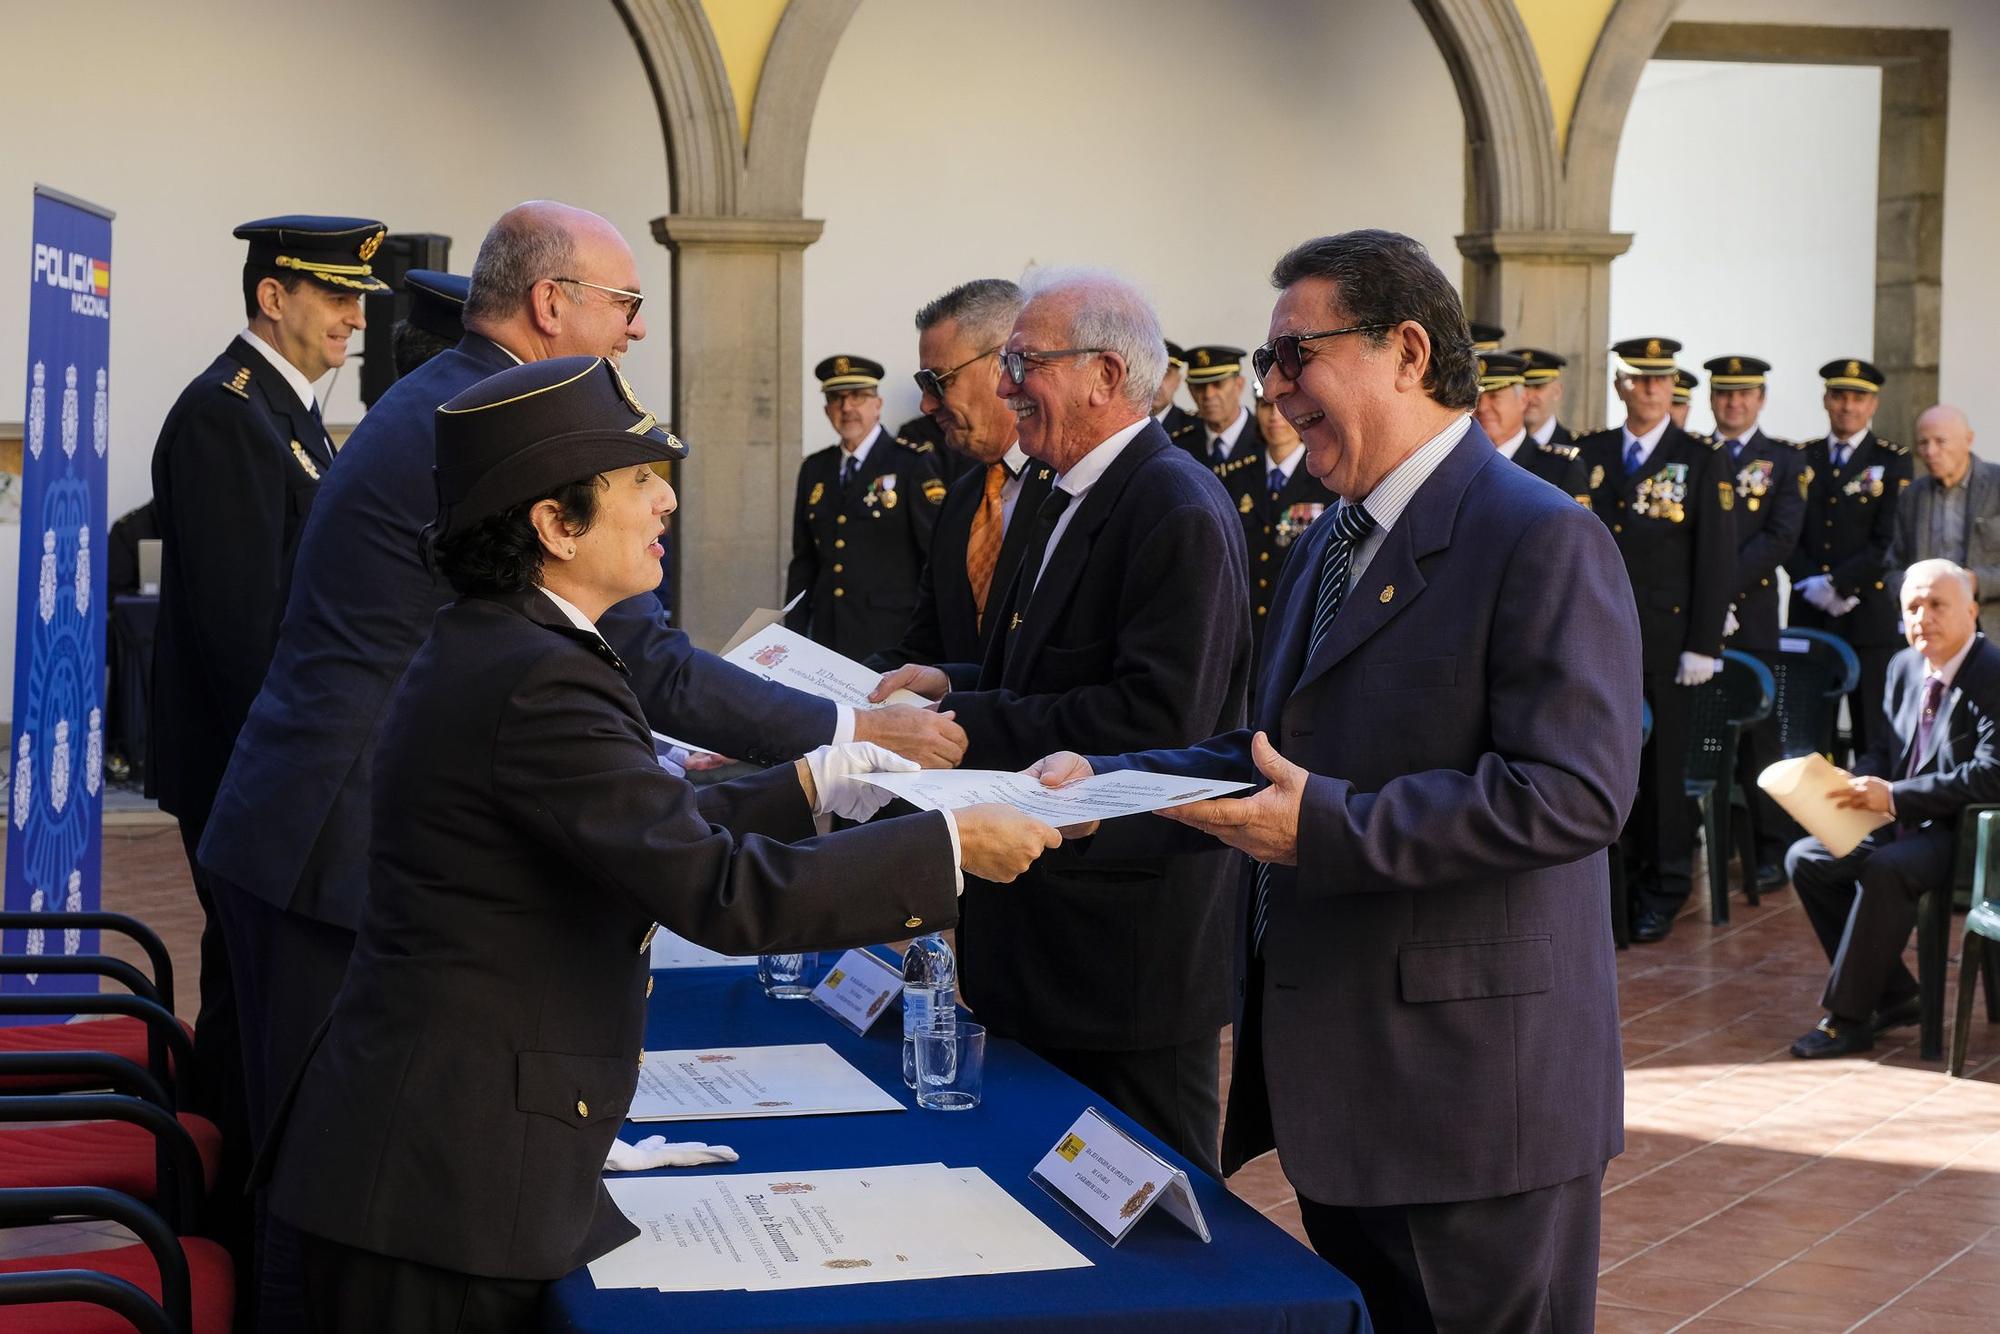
(930, 995)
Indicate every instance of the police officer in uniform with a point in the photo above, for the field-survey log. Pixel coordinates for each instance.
(238, 461)
(1685, 382)
(1278, 499)
(1174, 419)
(1225, 434)
(436, 320)
(861, 526)
(1542, 394)
(1839, 571)
(1770, 511)
(1669, 499)
(1501, 412)
(921, 430)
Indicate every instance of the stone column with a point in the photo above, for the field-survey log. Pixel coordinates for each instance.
(1550, 289)
(737, 334)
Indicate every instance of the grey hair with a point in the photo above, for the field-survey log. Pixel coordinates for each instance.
(1113, 315)
(1938, 567)
(985, 310)
(527, 245)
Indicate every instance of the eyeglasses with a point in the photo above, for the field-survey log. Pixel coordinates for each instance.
(933, 382)
(631, 301)
(1015, 364)
(1287, 355)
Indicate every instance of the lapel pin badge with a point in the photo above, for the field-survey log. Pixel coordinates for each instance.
(1388, 591)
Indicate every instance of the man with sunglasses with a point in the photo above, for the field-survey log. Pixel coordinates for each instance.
(861, 519)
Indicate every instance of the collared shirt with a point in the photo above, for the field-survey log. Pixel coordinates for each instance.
(1392, 495)
(1512, 445)
(1840, 450)
(1950, 670)
(570, 610)
(1736, 442)
(1015, 461)
(1079, 479)
(1227, 440)
(1546, 431)
(1288, 467)
(1648, 442)
(294, 377)
(860, 452)
(1950, 525)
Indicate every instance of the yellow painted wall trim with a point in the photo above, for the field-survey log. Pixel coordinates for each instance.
(743, 31)
(1564, 33)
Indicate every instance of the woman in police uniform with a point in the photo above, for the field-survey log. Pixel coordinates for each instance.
(444, 1143)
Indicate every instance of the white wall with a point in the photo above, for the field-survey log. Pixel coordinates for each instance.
(1766, 248)
(1183, 143)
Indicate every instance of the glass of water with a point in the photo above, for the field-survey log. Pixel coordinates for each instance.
(784, 975)
(951, 1067)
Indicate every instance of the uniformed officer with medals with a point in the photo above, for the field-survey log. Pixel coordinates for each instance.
(1501, 413)
(1669, 499)
(1542, 393)
(237, 464)
(1853, 479)
(1278, 499)
(1226, 436)
(861, 525)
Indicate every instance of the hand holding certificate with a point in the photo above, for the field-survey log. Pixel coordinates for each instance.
(1816, 793)
(1103, 797)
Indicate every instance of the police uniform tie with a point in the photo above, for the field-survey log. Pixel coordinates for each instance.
(325, 436)
(1351, 526)
(1276, 481)
(1634, 452)
(849, 465)
(1218, 451)
(1735, 450)
(982, 549)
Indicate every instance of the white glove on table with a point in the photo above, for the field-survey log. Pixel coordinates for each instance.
(654, 1151)
(1696, 669)
(1730, 625)
(834, 770)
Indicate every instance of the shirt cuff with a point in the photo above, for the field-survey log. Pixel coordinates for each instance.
(957, 857)
(843, 724)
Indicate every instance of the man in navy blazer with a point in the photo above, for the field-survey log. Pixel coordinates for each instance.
(1428, 1026)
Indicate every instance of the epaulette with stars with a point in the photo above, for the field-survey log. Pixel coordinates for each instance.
(1185, 428)
(916, 446)
(239, 384)
(1561, 451)
(1891, 445)
(1230, 467)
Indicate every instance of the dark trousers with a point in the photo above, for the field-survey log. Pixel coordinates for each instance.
(350, 1291)
(288, 969)
(1172, 1091)
(1863, 907)
(217, 1091)
(1658, 841)
(1509, 1265)
(1864, 706)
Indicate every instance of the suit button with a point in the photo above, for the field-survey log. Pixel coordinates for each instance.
(1677, 611)
(1267, 530)
(914, 923)
(583, 1109)
(1263, 555)
(838, 567)
(1263, 583)
(840, 592)
(1829, 523)
(1262, 612)
(840, 518)
(1878, 583)
(1765, 583)
(1618, 527)
(1826, 569)
(839, 542)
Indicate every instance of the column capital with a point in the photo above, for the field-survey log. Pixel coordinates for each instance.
(1550, 246)
(717, 232)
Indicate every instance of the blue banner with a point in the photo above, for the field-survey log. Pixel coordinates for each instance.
(55, 794)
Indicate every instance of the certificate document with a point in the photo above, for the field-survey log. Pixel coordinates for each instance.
(786, 656)
(720, 1083)
(1101, 797)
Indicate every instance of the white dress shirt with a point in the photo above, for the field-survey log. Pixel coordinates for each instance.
(1648, 442)
(1546, 431)
(1840, 450)
(1512, 444)
(1016, 461)
(294, 377)
(1079, 479)
(1288, 467)
(1227, 440)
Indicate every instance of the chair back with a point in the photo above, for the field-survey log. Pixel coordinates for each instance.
(1810, 673)
(1736, 696)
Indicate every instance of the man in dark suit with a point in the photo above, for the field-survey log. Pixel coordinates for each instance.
(1174, 419)
(1428, 1031)
(1502, 415)
(982, 527)
(1941, 755)
(1840, 571)
(1542, 396)
(1953, 511)
(861, 519)
(1669, 501)
(238, 463)
(1278, 500)
(287, 845)
(1126, 626)
(1770, 510)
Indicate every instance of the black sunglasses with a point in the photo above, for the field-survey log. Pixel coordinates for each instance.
(933, 382)
(1286, 353)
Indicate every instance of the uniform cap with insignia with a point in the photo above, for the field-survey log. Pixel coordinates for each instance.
(1641, 357)
(1213, 361)
(1539, 367)
(1499, 370)
(334, 252)
(848, 371)
(1486, 337)
(1853, 373)
(1685, 383)
(1736, 372)
(437, 302)
(518, 435)
(1176, 354)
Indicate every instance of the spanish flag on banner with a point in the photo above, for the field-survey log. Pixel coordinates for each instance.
(100, 277)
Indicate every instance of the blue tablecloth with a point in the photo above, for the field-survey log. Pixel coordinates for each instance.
(1253, 1277)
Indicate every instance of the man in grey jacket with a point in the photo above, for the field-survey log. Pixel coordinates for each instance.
(1953, 513)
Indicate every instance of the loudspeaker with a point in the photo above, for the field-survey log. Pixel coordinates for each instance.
(400, 252)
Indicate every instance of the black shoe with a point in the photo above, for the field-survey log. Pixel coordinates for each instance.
(1770, 876)
(1834, 1037)
(1649, 926)
(1900, 1015)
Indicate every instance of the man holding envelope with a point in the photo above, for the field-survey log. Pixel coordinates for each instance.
(1942, 754)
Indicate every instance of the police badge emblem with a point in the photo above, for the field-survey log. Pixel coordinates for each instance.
(818, 492)
(305, 460)
(1245, 504)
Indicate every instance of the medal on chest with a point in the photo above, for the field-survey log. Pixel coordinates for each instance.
(1663, 495)
(1295, 520)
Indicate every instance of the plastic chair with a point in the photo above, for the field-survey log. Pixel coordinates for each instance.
(163, 1285)
(1811, 672)
(1934, 930)
(1981, 949)
(1738, 695)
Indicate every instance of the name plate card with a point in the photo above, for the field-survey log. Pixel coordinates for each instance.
(1109, 1180)
(858, 988)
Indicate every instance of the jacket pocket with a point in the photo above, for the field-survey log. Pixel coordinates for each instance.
(1413, 675)
(1475, 969)
(577, 1090)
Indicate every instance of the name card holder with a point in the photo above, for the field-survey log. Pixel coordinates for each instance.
(858, 988)
(1109, 1180)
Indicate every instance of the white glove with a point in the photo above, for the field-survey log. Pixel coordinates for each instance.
(1818, 590)
(1730, 625)
(1843, 606)
(840, 792)
(654, 1151)
(1696, 669)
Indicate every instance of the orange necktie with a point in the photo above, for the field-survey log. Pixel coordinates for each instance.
(982, 549)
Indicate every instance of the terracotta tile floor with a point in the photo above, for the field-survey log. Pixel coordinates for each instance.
(1755, 1192)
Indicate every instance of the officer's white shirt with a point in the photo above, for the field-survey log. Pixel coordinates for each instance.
(860, 452)
(1546, 431)
(1840, 449)
(1288, 467)
(1512, 445)
(1227, 440)
(294, 377)
(1648, 442)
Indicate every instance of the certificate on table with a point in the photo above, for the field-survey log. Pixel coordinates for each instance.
(721, 1083)
(778, 653)
(1101, 797)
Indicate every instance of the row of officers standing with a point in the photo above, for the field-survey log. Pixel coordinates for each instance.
(1705, 523)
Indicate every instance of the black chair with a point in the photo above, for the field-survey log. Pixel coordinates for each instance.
(1738, 695)
(1811, 672)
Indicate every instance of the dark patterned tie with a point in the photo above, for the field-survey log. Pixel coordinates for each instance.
(1276, 481)
(849, 465)
(1351, 526)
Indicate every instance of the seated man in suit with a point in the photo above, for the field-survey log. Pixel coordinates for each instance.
(1943, 754)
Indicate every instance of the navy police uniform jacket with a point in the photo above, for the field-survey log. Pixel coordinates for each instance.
(1558, 463)
(235, 473)
(1272, 521)
(1770, 511)
(1850, 526)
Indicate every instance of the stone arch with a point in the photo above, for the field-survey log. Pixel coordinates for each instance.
(1630, 36)
(1513, 176)
(691, 95)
